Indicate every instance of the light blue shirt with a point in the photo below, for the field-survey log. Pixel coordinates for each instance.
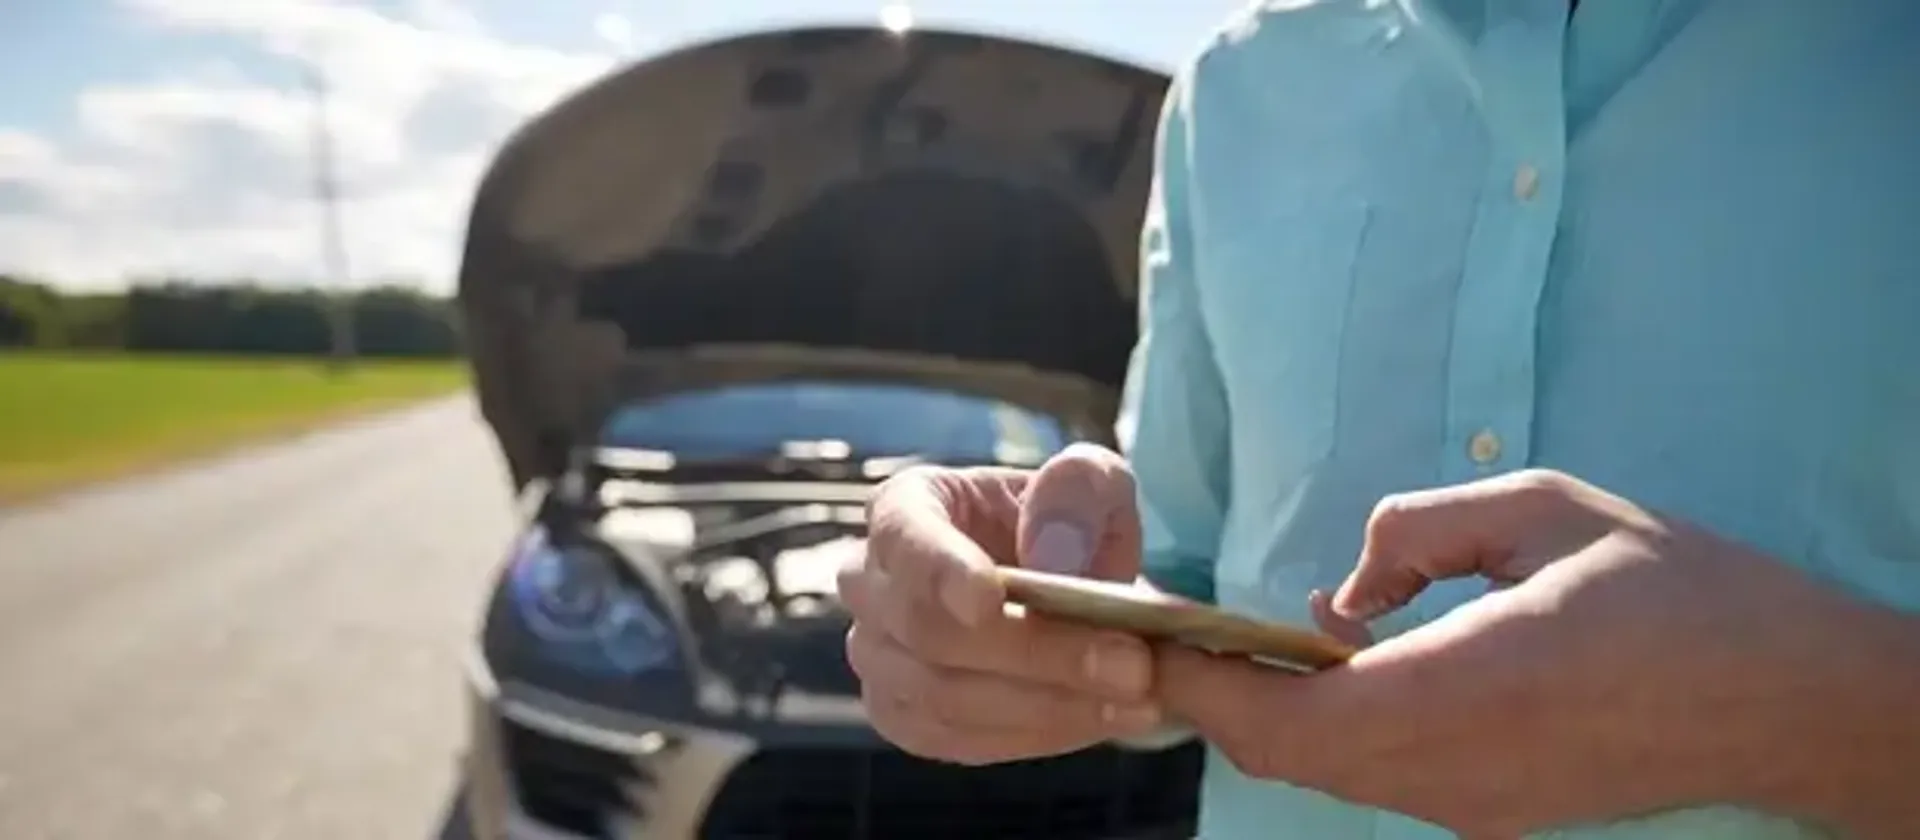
(1672, 248)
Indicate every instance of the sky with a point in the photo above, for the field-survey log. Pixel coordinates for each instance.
(151, 138)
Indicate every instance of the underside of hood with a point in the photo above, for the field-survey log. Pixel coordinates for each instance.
(940, 208)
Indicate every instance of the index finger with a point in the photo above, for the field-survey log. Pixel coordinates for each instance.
(1414, 539)
(913, 536)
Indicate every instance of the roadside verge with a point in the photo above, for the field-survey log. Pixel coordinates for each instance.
(73, 420)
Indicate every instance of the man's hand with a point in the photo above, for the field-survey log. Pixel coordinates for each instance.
(1626, 664)
(947, 671)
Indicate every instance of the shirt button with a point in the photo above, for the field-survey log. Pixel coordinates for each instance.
(1526, 182)
(1484, 448)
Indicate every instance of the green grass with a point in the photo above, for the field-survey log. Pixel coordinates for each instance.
(69, 419)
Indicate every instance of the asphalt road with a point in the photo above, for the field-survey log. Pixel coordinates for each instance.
(260, 647)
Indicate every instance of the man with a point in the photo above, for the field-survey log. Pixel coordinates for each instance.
(1577, 355)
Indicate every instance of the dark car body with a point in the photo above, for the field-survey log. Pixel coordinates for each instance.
(710, 300)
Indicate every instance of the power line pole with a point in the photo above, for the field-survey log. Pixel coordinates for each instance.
(333, 245)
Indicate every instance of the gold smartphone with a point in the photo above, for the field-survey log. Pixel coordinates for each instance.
(1158, 615)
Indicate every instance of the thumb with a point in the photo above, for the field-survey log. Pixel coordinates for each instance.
(1269, 723)
(1079, 516)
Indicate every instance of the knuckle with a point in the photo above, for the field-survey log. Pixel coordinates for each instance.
(922, 475)
(1028, 648)
(1390, 516)
(883, 526)
(915, 480)
(881, 499)
(1057, 651)
(891, 493)
(1539, 491)
(848, 579)
(856, 563)
(1536, 482)
(1087, 470)
(1092, 454)
(851, 585)
(859, 645)
(1081, 451)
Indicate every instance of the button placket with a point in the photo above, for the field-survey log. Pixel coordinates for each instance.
(1491, 391)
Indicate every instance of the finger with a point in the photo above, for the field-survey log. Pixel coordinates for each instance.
(1414, 539)
(984, 504)
(1112, 665)
(973, 700)
(854, 584)
(1080, 517)
(912, 537)
(1104, 664)
(1269, 723)
(901, 724)
(1336, 625)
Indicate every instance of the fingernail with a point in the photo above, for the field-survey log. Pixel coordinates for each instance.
(1121, 666)
(1366, 610)
(1346, 605)
(1060, 548)
(1130, 717)
(1346, 629)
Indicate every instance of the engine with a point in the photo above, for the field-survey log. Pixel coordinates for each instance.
(760, 591)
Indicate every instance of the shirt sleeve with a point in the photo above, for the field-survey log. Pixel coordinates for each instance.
(1173, 420)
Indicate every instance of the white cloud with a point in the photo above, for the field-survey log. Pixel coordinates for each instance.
(615, 30)
(206, 170)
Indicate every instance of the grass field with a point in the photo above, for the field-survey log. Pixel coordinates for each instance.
(69, 419)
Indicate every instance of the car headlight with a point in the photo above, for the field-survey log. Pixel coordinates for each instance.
(572, 600)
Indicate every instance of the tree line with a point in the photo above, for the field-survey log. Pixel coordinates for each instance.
(235, 317)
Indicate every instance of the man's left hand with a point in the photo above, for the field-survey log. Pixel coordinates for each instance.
(1624, 664)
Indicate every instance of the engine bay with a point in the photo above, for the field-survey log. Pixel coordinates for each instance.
(766, 592)
(747, 559)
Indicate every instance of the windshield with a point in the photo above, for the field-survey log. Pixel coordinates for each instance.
(872, 420)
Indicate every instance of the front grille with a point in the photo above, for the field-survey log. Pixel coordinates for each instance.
(885, 795)
(565, 784)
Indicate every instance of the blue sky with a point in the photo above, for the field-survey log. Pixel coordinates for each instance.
(153, 136)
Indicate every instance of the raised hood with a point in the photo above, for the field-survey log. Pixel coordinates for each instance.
(952, 209)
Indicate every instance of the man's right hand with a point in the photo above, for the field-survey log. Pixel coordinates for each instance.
(947, 671)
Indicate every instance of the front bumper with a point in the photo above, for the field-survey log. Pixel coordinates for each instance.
(542, 767)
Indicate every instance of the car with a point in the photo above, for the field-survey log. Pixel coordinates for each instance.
(710, 300)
